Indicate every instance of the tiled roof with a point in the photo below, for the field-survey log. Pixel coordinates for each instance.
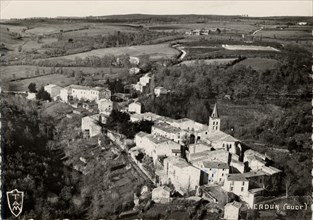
(142, 134)
(167, 127)
(270, 170)
(178, 162)
(236, 177)
(254, 173)
(88, 87)
(220, 136)
(251, 152)
(236, 204)
(216, 165)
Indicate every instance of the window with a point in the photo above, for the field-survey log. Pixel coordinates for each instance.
(231, 189)
(222, 174)
(241, 189)
(243, 183)
(206, 132)
(213, 122)
(223, 169)
(220, 179)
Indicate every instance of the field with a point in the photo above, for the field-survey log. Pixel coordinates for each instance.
(26, 71)
(209, 61)
(249, 47)
(155, 52)
(22, 85)
(231, 26)
(259, 64)
(98, 29)
(285, 34)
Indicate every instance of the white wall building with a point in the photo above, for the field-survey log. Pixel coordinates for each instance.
(232, 210)
(168, 131)
(90, 126)
(236, 183)
(214, 172)
(158, 91)
(105, 106)
(182, 175)
(84, 93)
(53, 90)
(161, 195)
(135, 107)
(156, 146)
(143, 83)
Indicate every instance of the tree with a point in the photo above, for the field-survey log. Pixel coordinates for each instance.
(43, 95)
(32, 87)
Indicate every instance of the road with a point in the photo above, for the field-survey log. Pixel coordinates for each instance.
(257, 31)
(181, 49)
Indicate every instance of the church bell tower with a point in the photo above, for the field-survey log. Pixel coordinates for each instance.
(215, 121)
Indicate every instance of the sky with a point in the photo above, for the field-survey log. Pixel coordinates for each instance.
(55, 8)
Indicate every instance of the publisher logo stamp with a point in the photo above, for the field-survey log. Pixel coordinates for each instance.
(15, 201)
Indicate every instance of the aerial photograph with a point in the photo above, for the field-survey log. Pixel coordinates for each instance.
(150, 109)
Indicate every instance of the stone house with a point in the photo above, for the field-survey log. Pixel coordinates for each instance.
(168, 131)
(53, 90)
(232, 210)
(84, 93)
(182, 175)
(213, 172)
(156, 146)
(105, 106)
(90, 126)
(158, 91)
(161, 194)
(135, 107)
(237, 184)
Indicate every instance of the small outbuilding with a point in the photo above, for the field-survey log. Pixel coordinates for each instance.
(231, 210)
(161, 194)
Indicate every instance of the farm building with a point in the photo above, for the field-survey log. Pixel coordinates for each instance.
(31, 95)
(134, 70)
(135, 107)
(134, 60)
(158, 91)
(53, 90)
(143, 83)
(161, 194)
(105, 106)
(302, 23)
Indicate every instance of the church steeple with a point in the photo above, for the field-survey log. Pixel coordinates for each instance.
(214, 113)
(215, 121)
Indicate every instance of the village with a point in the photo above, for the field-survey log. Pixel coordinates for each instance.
(189, 159)
(146, 116)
